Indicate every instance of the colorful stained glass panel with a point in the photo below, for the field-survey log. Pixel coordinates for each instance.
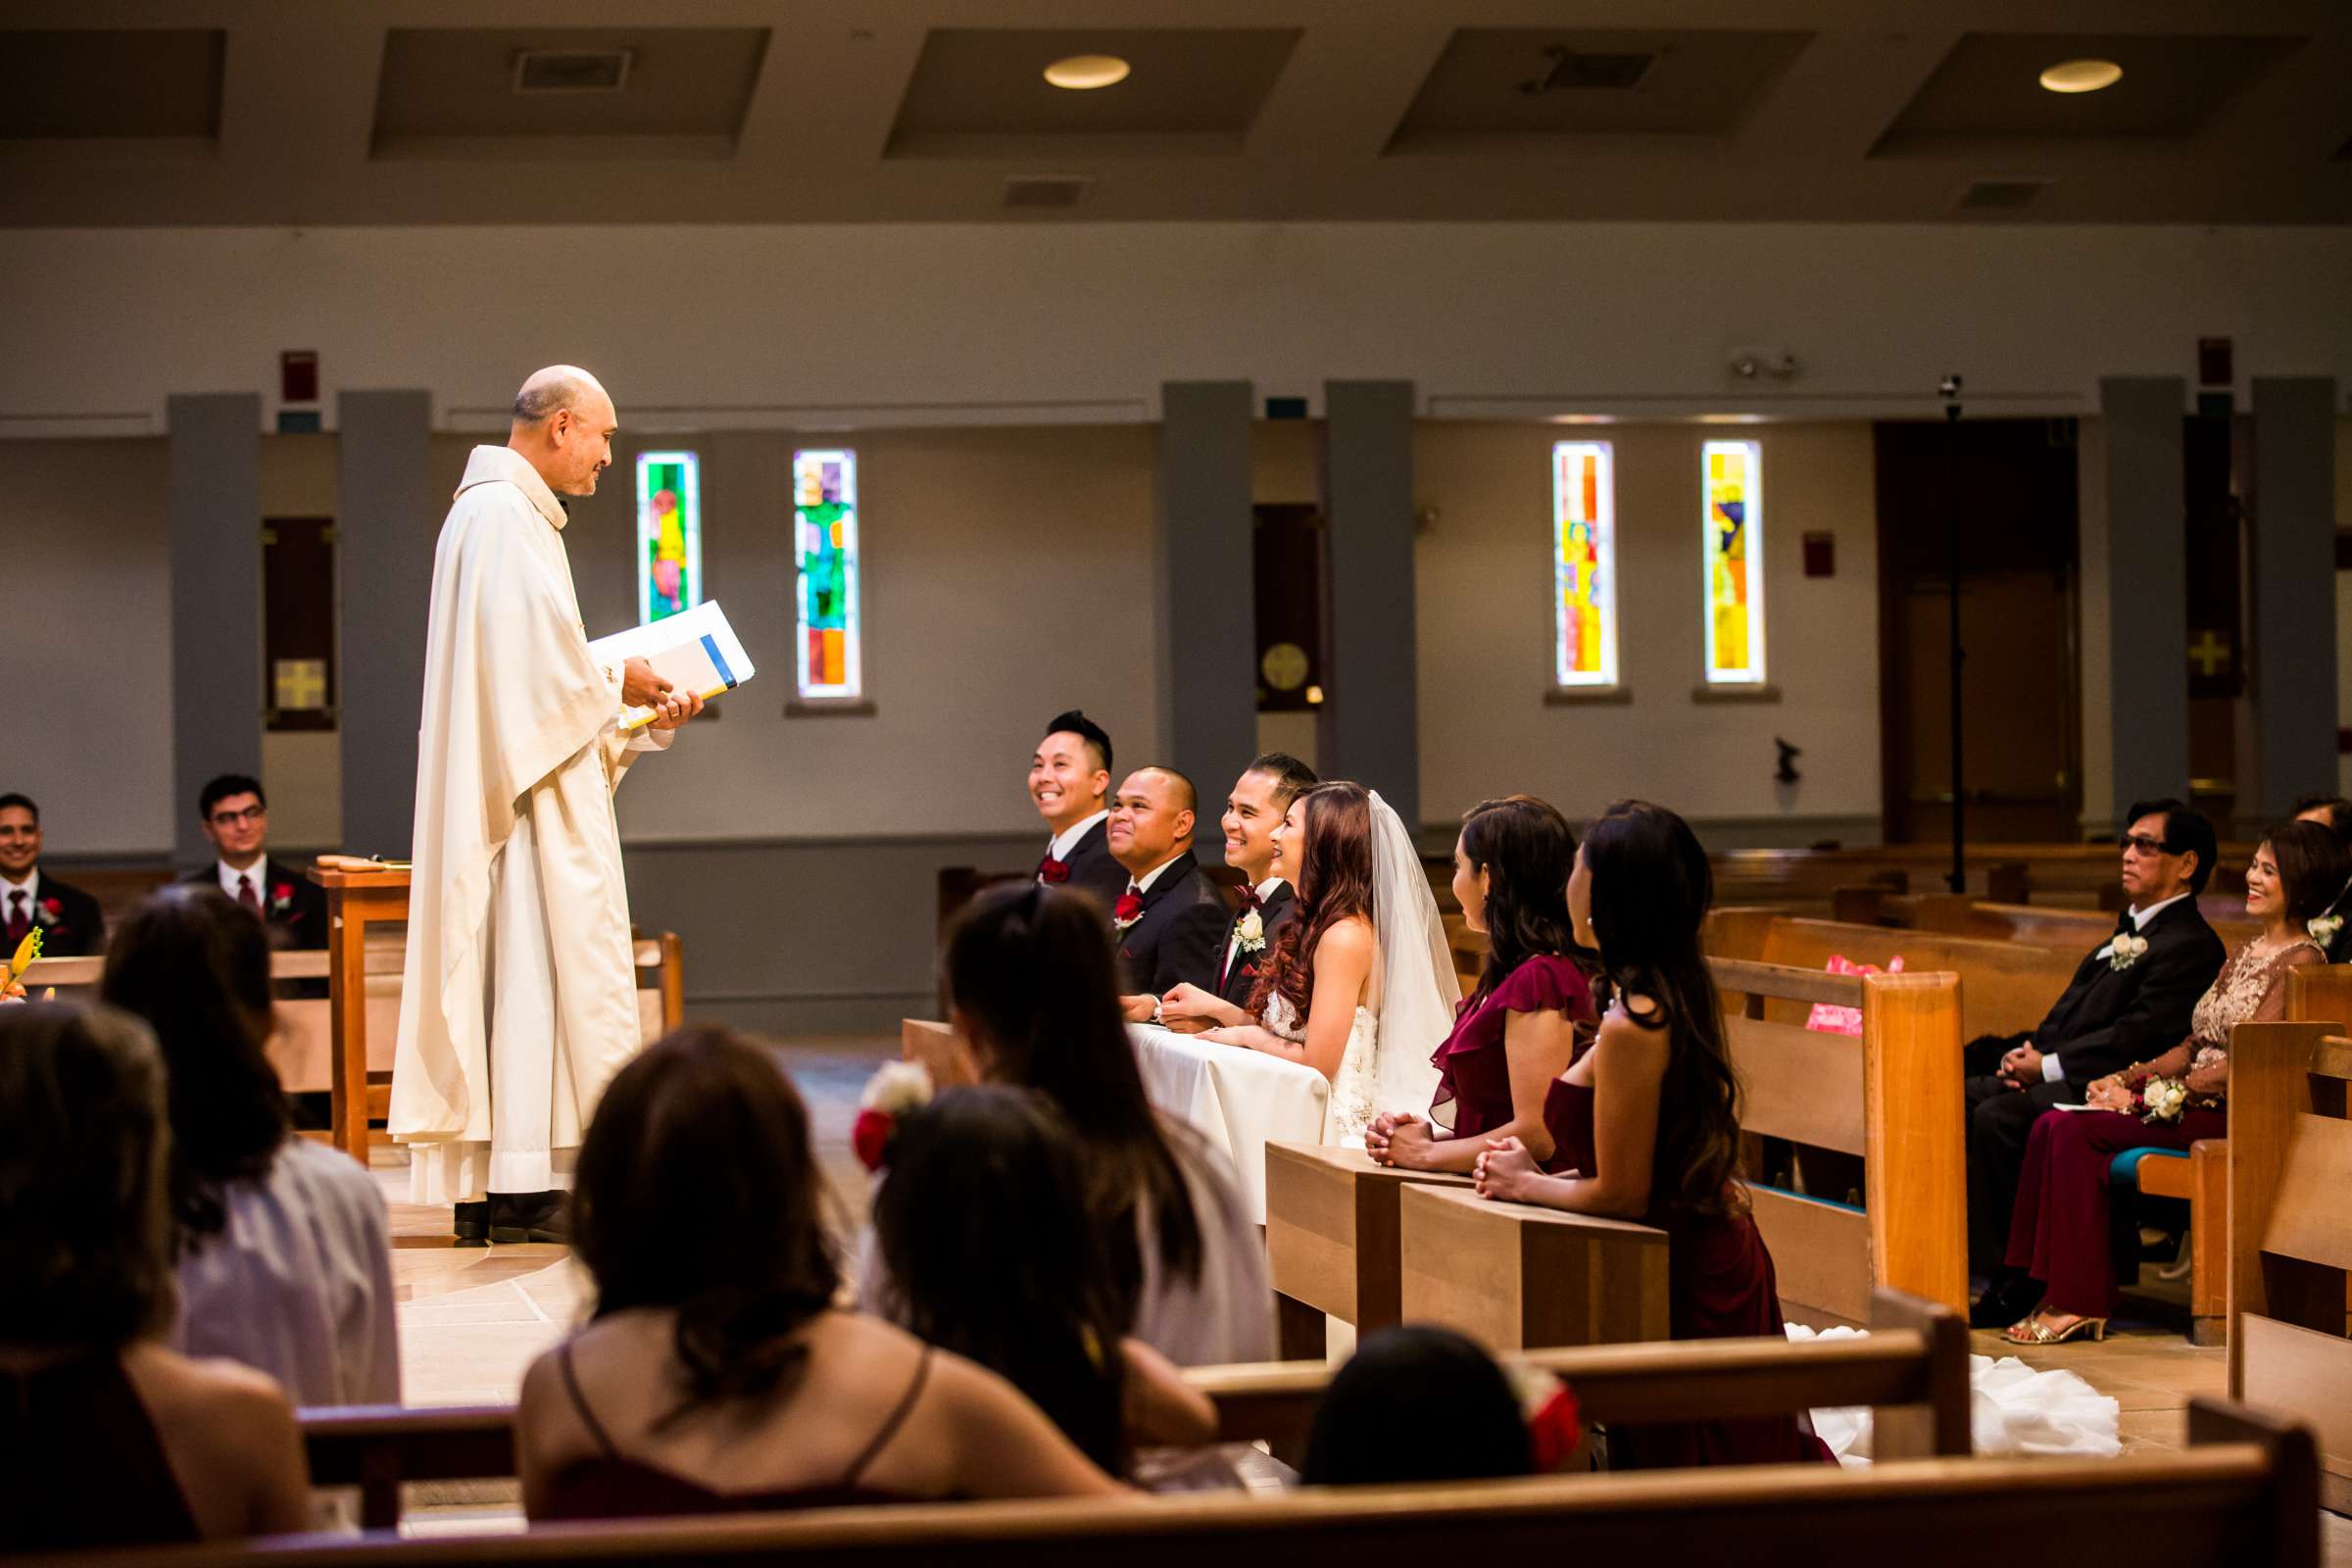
(1583, 562)
(824, 503)
(1732, 475)
(669, 534)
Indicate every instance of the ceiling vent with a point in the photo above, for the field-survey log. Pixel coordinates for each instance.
(1583, 68)
(541, 70)
(1044, 190)
(2000, 195)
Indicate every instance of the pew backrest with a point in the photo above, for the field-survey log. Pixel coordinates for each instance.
(2006, 988)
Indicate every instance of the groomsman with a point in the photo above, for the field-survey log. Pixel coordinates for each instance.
(1068, 779)
(69, 920)
(2130, 1000)
(1169, 916)
(234, 814)
(2334, 813)
(1260, 798)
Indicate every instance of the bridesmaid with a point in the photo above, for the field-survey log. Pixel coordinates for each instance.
(1519, 1030)
(1646, 1122)
(2058, 1233)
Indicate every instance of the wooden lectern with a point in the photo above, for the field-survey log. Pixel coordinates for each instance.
(354, 900)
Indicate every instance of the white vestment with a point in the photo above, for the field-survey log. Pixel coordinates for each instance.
(519, 996)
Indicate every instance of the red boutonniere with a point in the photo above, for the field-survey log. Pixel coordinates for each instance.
(281, 896)
(52, 911)
(1054, 873)
(1128, 911)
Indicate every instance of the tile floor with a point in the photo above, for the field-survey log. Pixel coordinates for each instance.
(472, 1320)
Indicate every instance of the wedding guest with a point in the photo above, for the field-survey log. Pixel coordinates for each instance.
(1252, 812)
(234, 814)
(2058, 1238)
(283, 1249)
(117, 1441)
(2334, 813)
(68, 918)
(1519, 1030)
(1031, 986)
(2130, 999)
(1647, 1119)
(1069, 779)
(1169, 916)
(714, 1374)
(1417, 1402)
(989, 1248)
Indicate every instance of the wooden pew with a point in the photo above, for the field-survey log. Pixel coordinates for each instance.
(2290, 1233)
(1332, 1239)
(2041, 925)
(1514, 1277)
(1892, 1097)
(2006, 988)
(939, 1051)
(1911, 1369)
(2241, 1493)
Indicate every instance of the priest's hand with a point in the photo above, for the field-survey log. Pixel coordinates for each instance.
(640, 687)
(675, 710)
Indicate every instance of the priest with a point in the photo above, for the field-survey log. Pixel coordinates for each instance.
(519, 996)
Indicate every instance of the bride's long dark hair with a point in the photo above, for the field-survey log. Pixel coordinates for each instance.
(1652, 886)
(1335, 881)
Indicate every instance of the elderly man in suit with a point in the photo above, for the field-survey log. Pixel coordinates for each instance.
(1170, 917)
(68, 918)
(2130, 999)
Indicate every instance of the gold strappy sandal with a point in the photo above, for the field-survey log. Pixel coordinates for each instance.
(2032, 1330)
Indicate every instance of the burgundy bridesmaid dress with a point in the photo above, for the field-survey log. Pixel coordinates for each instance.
(1720, 1285)
(1474, 1071)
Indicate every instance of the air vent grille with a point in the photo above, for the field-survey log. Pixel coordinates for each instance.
(2001, 195)
(1586, 70)
(1045, 190)
(568, 70)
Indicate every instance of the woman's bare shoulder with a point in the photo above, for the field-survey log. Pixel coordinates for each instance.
(1349, 934)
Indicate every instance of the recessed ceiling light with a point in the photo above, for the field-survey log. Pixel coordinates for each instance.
(2082, 75)
(1085, 73)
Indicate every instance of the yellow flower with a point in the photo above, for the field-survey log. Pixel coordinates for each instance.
(26, 951)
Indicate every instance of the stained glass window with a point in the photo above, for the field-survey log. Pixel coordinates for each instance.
(1584, 542)
(669, 534)
(1734, 477)
(825, 499)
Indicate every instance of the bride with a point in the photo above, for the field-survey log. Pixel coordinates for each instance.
(1360, 985)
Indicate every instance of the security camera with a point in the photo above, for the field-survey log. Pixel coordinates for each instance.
(1948, 387)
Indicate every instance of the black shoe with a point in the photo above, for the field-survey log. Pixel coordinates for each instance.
(2007, 1299)
(472, 1223)
(531, 1217)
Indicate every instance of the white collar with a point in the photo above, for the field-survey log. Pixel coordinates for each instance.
(1143, 884)
(2141, 918)
(1265, 889)
(30, 887)
(1062, 844)
(505, 465)
(259, 871)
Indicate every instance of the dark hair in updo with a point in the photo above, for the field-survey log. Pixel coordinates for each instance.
(86, 1230)
(696, 1192)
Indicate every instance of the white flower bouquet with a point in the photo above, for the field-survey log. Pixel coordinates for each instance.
(2162, 1100)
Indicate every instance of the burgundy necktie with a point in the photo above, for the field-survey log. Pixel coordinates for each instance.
(245, 893)
(20, 918)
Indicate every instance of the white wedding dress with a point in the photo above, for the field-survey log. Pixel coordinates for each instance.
(1408, 1003)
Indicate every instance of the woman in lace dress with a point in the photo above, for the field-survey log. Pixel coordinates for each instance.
(2058, 1235)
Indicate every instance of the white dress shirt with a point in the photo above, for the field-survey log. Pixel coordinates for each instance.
(258, 872)
(1143, 884)
(1060, 844)
(2051, 1070)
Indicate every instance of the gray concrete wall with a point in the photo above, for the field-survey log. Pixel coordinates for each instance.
(386, 520)
(2146, 577)
(216, 691)
(2293, 637)
(1204, 580)
(1369, 729)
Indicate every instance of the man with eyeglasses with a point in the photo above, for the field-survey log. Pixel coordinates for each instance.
(2130, 1000)
(69, 920)
(235, 817)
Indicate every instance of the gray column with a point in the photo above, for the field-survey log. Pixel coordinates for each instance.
(2293, 635)
(1207, 649)
(386, 524)
(1369, 729)
(2147, 587)
(216, 601)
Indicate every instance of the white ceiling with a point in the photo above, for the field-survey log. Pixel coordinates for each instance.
(829, 110)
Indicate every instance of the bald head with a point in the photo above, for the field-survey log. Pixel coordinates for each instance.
(564, 424)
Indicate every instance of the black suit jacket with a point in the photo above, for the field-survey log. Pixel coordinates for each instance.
(297, 919)
(1185, 916)
(2339, 948)
(1241, 979)
(71, 922)
(1094, 871)
(2108, 1018)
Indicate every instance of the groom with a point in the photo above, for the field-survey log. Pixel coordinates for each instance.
(1260, 798)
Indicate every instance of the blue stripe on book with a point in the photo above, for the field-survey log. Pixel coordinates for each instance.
(719, 660)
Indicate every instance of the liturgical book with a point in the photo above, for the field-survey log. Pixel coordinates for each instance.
(694, 651)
